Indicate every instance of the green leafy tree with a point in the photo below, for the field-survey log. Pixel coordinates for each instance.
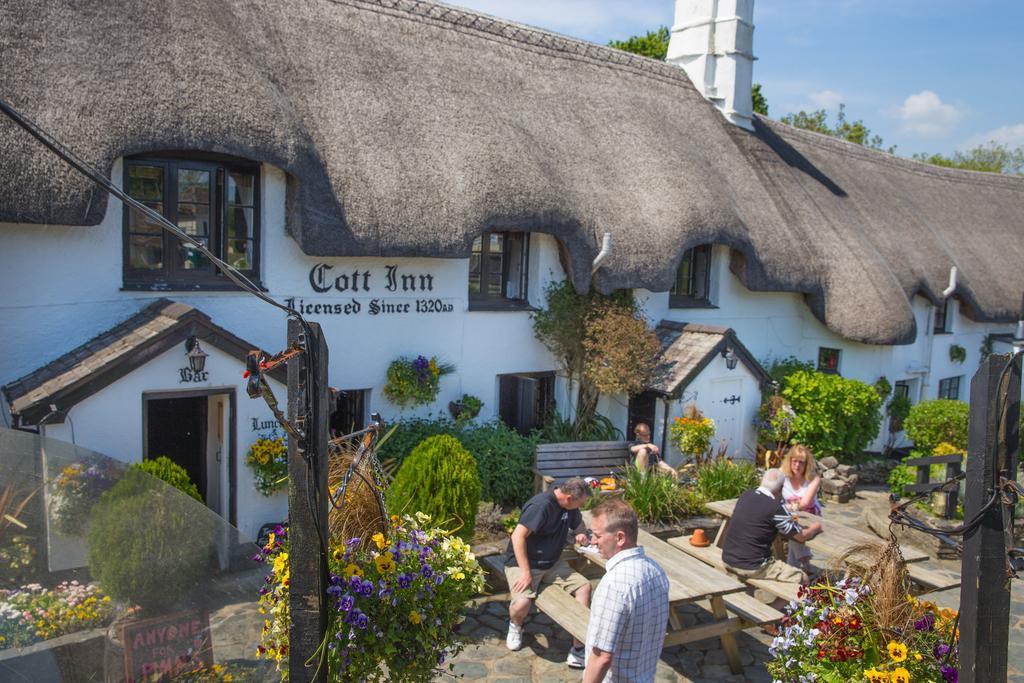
(834, 415)
(855, 131)
(653, 44)
(760, 101)
(940, 421)
(993, 157)
(602, 342)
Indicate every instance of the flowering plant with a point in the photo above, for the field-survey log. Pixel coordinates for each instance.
(268, 459)
(395, 599)
(415, 382)
(775, 420)
(831, 634)
(77, 488)
(33, 613)
(692, 433)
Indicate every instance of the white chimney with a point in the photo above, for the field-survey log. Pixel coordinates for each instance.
(712, 40)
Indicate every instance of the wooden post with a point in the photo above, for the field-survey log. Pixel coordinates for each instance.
(985, 590)
(307, 505)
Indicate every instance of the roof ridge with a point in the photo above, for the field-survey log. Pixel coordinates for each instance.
(526, 35)
(880, 156)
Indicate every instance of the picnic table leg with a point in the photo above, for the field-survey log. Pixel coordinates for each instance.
(732, 651)
(720, 536)
(673, 619)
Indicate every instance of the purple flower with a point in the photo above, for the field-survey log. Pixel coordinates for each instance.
(925, 623)
(362, 621)
(352, 542)
(334, 590)
(366, 588)
(941, 650)
(264, 590)
(427, 571)
(949, 673)
(355, 583)
(280, 531)
(258, 557)
(439, 578)
(404, 580)
(346, 603)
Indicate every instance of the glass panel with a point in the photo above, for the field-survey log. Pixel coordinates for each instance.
(190, 258)
(193, 185)
(194, 219)
(474, 267)
(699, 274)
(240, 254)
(146, 183)
(140, 222)
(682, 286)
(516, 255)
(145, 253)
(494, 275)
(241, 188)
(240, 223)
(496, 242)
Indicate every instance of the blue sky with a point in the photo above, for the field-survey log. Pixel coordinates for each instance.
(926, 75)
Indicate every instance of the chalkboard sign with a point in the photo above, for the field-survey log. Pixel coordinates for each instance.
(166, 645)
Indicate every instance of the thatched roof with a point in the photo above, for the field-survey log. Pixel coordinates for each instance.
(407, 128)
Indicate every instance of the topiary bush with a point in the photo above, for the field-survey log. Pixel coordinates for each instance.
(933, 422)
(166, 470)
(834, 415)
(440, 479)
(149, 542)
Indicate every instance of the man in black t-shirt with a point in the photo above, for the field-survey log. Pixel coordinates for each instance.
(759, 516)
(534, 555)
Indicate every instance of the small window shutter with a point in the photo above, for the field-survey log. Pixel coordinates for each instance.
(527, 404)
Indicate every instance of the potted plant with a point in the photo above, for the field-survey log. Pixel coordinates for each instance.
(692, 433)
(466, 408)
(415, 381)
(268, 459)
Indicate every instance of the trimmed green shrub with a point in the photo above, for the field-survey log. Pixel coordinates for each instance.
(782, 368)
(933, 422)
(165, 469)
(148, 542)
(503, 460)
(440, 479)
(503, 456)
(834, 415)
(901, 476)
(721, 479)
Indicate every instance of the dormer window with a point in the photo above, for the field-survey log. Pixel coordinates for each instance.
(941, 322)
(217, 202)
(498, 271)
(692, 288)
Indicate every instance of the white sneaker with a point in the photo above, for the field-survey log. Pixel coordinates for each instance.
(514, 639)
(577, 658)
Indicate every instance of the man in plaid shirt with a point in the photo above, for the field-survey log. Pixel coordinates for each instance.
(629, 611)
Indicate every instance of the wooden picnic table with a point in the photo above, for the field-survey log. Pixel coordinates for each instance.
(834, 540)
(691, 581)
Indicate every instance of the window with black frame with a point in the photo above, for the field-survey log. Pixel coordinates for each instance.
(950, 388)
(692, 288)
(215, 201)
(524, 400)
(498, 267)
(941, 323)
(901, 389)
(828, 360)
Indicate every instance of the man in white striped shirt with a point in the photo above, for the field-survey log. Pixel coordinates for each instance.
(629, 611)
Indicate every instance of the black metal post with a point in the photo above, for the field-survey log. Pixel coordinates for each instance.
(993, 443)
(307, 503)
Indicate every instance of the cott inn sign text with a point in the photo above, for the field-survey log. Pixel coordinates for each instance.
(414, 290)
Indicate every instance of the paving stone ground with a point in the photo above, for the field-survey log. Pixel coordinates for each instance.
(545, 645)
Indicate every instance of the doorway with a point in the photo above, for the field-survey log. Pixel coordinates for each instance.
(642, 408)
(196, 430)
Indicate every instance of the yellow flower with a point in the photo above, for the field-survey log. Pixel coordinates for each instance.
(900, 675)
(379, 539)
(875, 676)
(415, 617)
(917, 656)
(280, 562)
(352, 570)
(385, 565)
(458, 576)
(897, 651)
(337, 554)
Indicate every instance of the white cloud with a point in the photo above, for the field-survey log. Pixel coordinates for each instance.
(1011, 136)
(924, 113)
(829, 100)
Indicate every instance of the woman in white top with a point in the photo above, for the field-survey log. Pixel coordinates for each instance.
(800, 493)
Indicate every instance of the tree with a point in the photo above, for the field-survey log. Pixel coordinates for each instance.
(760, 101)
(654, 44)
(602, 343)
(855, 132)
(993, 157)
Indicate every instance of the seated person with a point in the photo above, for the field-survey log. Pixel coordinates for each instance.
(646, 454)
(759, 516)
(800, 492)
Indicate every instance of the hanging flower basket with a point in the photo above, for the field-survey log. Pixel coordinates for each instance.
(268, 459)
(692, 433)
(415, 382)
(77, 488)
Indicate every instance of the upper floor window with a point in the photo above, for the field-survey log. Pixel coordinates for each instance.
(941, 323)
(692, 287)
(950, 388)
(214, 201)
(828, 360)
(498, 270)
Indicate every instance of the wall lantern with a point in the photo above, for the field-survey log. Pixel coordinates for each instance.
(195, 354)
(731, 359)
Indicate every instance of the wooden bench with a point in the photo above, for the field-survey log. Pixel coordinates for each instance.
(712, 555)
(557, 462)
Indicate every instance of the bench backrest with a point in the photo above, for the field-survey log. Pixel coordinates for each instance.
(562, 461)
